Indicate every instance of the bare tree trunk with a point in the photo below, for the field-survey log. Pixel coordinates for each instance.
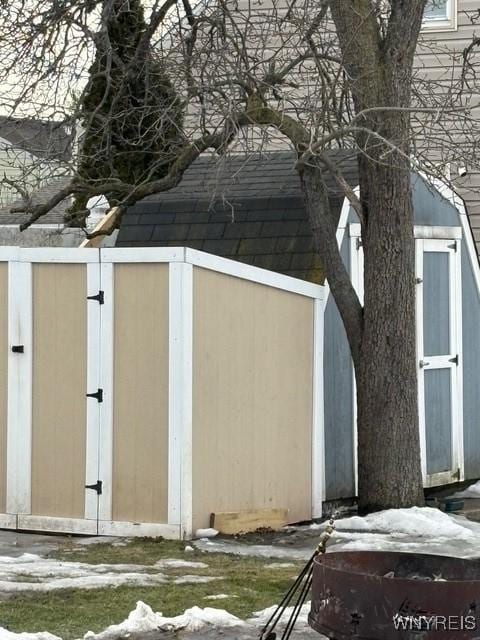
(380, 64)
(389, 468)
(382, 335)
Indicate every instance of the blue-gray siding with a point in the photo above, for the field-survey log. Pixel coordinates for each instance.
(431, 209)
(338, 394)
(471, 368)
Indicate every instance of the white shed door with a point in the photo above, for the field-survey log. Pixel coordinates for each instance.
(439, 340)
(439, 354)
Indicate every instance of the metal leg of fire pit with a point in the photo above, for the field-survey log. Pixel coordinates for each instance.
(301, 586)
(303, 582)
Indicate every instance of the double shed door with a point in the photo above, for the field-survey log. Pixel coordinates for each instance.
(52, 423)
(75, 334)
(439, 350)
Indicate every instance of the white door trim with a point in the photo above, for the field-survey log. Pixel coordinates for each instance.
(105, 465)
(420, 371)
(452, 247)
(93, 383)
(356, 275)
(20, 388)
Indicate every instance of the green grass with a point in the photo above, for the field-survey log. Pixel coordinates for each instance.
(71, 613)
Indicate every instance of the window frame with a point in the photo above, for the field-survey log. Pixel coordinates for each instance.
(448, 24)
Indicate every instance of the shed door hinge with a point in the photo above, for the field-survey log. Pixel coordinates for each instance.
(453, 246)
(359, 243)
(98, 395)
(96, 487)
(455, 360)
(456, 475)
(418, 280)
(100, 297)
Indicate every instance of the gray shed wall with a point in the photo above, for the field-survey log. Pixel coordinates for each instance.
(471, 368)
(431, 209)
(338, 399)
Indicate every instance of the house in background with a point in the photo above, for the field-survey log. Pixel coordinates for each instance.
(449, 27)
(35, 156)
(252, 212)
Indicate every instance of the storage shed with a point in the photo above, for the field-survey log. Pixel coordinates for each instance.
(251, 210)
(142, 389)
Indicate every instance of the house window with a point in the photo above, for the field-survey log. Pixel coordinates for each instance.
(440, 15)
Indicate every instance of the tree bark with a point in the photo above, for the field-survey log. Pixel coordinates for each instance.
(380, 67)
(389, 469)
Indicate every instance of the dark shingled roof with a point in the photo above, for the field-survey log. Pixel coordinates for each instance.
(244, 208)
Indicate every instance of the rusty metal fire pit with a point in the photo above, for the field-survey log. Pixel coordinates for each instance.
(374, 595)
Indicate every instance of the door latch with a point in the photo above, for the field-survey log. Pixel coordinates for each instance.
(423, 363)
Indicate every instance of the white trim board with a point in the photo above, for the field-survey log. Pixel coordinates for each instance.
(318, 430)
(57, 254)
(93, 426)
(9, 253)
(58, 525)
(105, 445)
(254, 274)
(20, 389)
(166, 254)
(421, 232)
(8, 521)
(142, 254)
(142, 529)
(180, 458)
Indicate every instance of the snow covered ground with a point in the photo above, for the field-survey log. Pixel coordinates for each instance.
(143, 620)
(420, 530)
(30, 572)
(423, 530)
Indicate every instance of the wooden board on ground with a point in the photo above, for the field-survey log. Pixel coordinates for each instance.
(232, 522)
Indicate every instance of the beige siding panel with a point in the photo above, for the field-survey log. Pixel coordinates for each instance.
(3, 381)
(140, 440)
(252, 397)
(59, 388)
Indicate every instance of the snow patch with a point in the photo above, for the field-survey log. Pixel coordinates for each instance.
(421, 522)
(219, 596)
(254, 550)
(473, 491)
(143, 620)
(279, 565)
(195, 579)
(30, 572)
(261, 618)
(206, 533)
(173, 563)
(42, 635)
